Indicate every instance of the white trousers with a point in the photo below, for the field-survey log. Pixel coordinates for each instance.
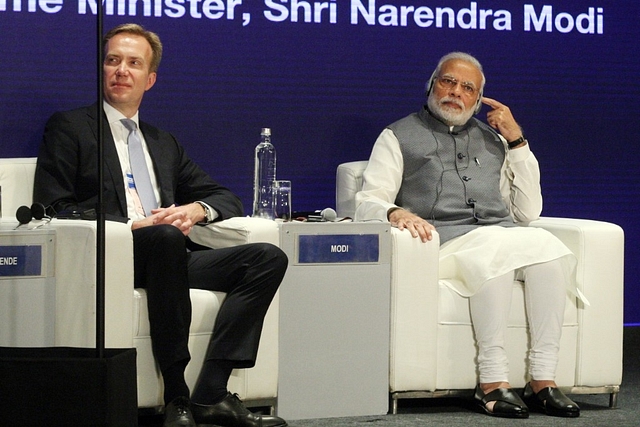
(545, 298)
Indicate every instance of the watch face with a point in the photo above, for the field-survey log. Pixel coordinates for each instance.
(207, 213)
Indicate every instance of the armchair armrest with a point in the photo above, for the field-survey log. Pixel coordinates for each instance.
(414, 309)
(75, 265)
(599, 248)
(236, 231)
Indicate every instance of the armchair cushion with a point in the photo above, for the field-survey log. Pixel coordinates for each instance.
(16, 183)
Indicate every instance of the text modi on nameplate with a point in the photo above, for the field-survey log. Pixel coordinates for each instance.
(338, 248)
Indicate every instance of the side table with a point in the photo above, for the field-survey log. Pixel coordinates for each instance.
(334, 320)
(27, 286)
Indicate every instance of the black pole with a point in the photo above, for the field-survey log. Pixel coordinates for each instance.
(100, 238)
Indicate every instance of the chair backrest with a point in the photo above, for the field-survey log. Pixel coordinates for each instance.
(16, 184)
(348, 183)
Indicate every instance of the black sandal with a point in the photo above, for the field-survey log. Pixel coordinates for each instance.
(507, 403)
(551, 401)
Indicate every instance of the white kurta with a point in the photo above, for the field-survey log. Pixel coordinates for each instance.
(468, 261)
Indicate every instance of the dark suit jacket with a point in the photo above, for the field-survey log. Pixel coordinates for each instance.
(66, 172)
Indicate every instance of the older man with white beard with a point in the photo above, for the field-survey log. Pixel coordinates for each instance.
(442, 169)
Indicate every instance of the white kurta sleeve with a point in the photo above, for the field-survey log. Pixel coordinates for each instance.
(381, 179)
(520, 184)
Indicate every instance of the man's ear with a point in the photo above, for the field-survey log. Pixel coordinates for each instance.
(151, 80)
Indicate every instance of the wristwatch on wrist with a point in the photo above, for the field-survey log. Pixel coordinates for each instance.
(208, 217)
(513, 144)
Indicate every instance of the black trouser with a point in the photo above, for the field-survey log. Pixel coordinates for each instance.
(249, 274)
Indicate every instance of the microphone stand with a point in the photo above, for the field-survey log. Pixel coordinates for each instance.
(76, 385)
(100, 238)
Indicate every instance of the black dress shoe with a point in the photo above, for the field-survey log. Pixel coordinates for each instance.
(551, 401)
(178, 413)
(507, 403)
(230, 412)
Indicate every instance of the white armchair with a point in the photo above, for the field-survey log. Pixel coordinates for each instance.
(126, 318)
(433, 351)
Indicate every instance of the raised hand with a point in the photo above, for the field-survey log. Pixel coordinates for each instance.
(501, 119)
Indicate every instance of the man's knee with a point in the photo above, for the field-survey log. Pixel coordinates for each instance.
(272, 254)
(160, 239)
(165, 233)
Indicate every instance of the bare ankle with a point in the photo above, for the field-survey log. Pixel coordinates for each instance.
(489, 387)
(537, 385)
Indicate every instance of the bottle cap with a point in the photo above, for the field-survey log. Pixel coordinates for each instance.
(266, 132)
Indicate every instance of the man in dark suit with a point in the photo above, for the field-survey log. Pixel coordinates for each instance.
(166, 262)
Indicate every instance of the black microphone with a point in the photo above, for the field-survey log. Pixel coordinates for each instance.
(38, 211)
(23, 215)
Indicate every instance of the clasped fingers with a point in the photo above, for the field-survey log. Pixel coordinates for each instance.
(183, 225)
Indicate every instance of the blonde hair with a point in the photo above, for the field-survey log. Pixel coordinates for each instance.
(151, 37)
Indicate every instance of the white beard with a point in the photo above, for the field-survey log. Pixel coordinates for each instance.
(450, 117)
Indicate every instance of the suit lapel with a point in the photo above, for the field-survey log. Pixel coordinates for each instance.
(111, 162)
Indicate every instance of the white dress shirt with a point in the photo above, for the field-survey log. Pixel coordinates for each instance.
(120, 136)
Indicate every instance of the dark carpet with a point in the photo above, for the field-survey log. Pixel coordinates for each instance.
(595, 409)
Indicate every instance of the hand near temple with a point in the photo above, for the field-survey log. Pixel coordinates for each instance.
(501, 119)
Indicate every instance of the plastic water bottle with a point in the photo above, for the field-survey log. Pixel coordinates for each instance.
(264, 175)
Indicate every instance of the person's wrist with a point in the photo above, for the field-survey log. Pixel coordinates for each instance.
(205, 212)
(517, 143)
(392, 210)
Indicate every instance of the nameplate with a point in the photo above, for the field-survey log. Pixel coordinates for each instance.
(338, 248)
(19, 261)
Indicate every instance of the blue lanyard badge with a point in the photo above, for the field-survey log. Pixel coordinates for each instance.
(130, 182)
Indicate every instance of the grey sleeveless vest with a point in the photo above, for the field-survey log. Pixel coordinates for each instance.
(451, 178)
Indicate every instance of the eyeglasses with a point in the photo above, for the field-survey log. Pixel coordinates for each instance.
(450, 83)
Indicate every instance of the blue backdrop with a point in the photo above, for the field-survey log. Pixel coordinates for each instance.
(327, 76)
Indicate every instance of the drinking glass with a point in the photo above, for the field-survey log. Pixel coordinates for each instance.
(281, 199)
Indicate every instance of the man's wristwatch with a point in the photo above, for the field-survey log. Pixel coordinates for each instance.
(208, 217)
(514, 144)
